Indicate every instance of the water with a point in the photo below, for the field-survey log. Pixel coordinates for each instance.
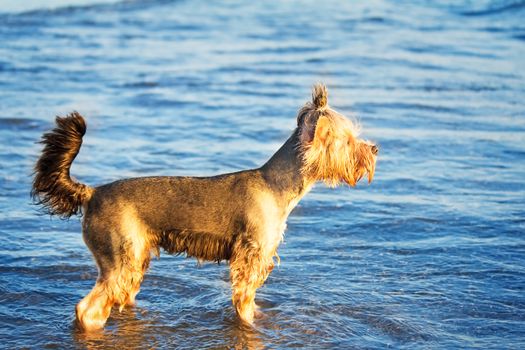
(431, 255)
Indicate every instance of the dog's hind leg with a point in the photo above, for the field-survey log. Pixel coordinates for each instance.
(122, 257)
(135, 262)
(249, 268)
(93, 311)
(117, 284)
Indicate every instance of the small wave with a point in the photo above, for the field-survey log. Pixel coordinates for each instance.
(19, 124)
(61, 7)
(412, 106)
(141, 84)
(52, 6)
(495, 8)
(392, 325)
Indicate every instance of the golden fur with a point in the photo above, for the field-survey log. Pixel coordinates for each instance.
(331, 149)
(249, 268)
(120, 285)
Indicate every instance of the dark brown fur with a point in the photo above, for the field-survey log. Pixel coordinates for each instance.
(201, 245)
(53, 187)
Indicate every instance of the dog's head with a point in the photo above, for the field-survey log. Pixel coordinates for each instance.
(331, 149)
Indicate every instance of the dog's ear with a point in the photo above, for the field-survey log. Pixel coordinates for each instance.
(323, 131)
(312, 112)
(306, 123)
(319, 96)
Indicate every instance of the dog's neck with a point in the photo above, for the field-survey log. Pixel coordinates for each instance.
(283, 173)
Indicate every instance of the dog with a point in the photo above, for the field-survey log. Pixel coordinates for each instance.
(239, 217)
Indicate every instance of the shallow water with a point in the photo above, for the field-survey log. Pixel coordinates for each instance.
(430, 255)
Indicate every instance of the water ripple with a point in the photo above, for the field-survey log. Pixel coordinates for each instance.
(430, 255)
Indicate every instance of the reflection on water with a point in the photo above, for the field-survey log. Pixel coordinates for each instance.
(126, 325)
(430, 255)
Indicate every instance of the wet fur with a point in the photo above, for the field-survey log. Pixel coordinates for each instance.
(239, 217)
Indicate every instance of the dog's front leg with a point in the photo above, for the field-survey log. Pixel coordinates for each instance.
(249, 268)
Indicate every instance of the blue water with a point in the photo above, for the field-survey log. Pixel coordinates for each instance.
(430, 255)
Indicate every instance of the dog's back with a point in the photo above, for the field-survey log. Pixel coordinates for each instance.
(199, 216)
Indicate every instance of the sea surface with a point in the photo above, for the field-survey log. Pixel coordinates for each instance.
(431, 255)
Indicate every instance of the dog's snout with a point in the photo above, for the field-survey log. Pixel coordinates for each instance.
(375, 149)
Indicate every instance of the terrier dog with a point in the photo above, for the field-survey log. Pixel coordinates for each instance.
(239, 217)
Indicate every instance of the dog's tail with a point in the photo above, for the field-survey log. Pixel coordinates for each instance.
(53, 188)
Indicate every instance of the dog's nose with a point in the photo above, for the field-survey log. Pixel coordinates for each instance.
(375, 149)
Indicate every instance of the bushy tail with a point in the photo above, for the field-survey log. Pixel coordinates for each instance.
(53, 188)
